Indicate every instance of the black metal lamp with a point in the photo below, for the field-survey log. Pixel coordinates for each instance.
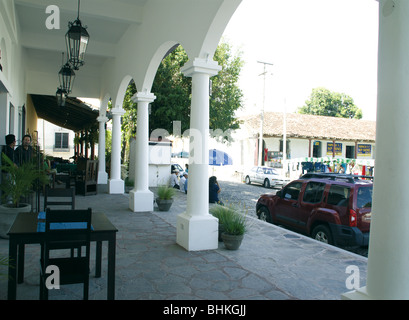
(76, 40)
(61, 96)
(66, 77)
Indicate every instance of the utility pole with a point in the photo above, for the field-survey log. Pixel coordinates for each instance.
(260, 149)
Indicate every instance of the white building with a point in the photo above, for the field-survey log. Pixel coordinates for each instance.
(307, 136)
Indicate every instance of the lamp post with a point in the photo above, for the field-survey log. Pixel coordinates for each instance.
(260, 150)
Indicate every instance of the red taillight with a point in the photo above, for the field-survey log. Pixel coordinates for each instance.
(353, 221)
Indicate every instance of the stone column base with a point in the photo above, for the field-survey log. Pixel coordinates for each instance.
(116, 186)
(102, 177)
(359, 294)
(141, 201)
(195, 233)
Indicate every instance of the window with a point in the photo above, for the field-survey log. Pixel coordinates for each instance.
(61, 140)
(313, 192)
(338, 195)
(364, 197)
(291, 191)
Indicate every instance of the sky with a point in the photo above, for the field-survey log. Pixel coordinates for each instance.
(311, 43)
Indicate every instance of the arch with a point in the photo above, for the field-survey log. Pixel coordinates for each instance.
(104, 104)
(159, 55)
(215, 31)
(119, 99)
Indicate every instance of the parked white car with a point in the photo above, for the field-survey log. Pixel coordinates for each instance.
(268, 177)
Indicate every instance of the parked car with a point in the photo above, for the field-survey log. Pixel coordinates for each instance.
(333, 208)
(268, 177)
(176, 166)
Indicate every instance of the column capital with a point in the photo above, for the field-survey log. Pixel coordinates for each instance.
(102, 119)
(143, 97)
(117, 111)
(199, 65)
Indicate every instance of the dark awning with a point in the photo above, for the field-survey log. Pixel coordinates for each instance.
(75, 115)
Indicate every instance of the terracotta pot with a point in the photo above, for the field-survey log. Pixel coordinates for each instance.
(8, 215)
(232, 242)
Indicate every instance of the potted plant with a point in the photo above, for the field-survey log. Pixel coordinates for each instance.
(4, 262)
(222, 213)
(235, 226)
(165, 197)
(17, 182)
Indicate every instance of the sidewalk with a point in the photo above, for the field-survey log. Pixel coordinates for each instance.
(272, 263)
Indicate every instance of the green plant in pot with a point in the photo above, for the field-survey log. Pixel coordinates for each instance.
(222, 213)
(165, 196)
(235, 226)
(17, 182)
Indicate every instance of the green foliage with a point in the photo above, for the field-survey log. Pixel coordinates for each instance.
(172, 90)
(226, 96)
(165, 192)
(20, 179)
(323, 102)
(4, 262)
(230, 219)
(221, 212)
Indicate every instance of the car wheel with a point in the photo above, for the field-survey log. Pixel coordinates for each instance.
(266, 183)
(264, 214)
(322, 233)
(248, 180)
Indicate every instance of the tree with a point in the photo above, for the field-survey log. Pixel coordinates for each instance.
(173, 95)
(323, 102)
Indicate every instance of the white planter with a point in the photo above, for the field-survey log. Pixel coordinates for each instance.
(8, 215)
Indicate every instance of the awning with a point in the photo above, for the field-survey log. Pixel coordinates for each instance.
(75, 115)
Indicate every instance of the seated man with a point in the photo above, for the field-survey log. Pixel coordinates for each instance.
(183, 183)
(174, 181)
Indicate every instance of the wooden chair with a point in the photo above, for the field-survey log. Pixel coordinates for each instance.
(65, 229)
(59, 197)
(87, 184)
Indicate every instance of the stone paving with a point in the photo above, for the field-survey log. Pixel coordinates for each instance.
(272, 263)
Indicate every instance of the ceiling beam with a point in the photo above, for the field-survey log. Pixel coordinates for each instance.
(56, 43)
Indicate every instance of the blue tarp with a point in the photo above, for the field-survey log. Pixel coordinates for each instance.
(219, 158)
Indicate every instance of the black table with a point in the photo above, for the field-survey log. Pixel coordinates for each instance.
(24, 231)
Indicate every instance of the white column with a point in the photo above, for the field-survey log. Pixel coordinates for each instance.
(116, 184)
(196, 228)
(141, 198)
(388, 259)
(102, 174)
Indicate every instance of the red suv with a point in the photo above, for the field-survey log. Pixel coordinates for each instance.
(333, 208)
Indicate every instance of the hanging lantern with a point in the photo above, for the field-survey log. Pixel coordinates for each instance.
(66, 77)
(76, 40)
(61, 96)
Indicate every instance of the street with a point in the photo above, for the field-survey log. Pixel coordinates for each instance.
(245, 196)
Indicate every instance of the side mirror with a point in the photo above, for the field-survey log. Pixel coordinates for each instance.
(278, 193)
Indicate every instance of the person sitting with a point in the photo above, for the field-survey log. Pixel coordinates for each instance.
(214, 190)
(186, 175)
(174, 181)
(24, 152)
(9, 148)
(183, 183)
